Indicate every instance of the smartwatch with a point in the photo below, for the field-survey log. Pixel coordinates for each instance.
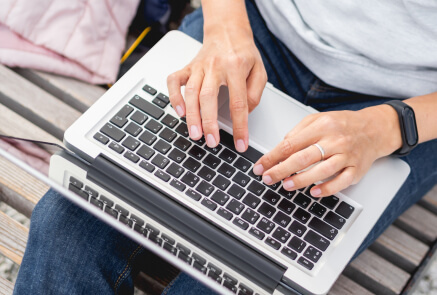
(407, 122)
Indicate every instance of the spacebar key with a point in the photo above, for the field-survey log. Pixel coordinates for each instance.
(146, 107)
(228, 140)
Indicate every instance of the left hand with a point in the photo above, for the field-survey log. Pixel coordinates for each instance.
(351, 140)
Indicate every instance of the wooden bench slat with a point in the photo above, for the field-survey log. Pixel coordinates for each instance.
(78, 94)
(6, 286)
(13, 238)
(429, 201)
(345, 286)
(35, 104)
(377, 274)
(419, 223)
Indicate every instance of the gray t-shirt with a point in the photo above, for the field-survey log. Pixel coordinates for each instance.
(380, 47)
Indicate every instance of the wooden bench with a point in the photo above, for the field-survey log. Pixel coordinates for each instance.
(40, 105)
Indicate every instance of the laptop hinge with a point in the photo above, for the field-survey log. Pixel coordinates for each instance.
(156, 204)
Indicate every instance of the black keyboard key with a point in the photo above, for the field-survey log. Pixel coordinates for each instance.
(271, 197)
(167, 134)
(145, 152)
(160, 161)
(200, 141)
(286, 194)
(273, 243)
(92, 192)
(113, 132)
(133, 129)
(178, 185)
(297, 244)
(146, 107)
(147, 166)
(121, 210)
(251, 200)
(159, 103)
(266, 210)
(323, 228)
(176, 155)
(97, 203)
(236, 191)
(256, 188)
(227, 155)
(163, 97)
(125, 220)
(125, 111)
(226, 170)
(118, 121)
(281, 219)
(209, 204)
(183, 249)
(221, 182)
(111, 212)
(297, 228)
(77, 183)
(78, 192)
(301, 215)
(131, 157)
(235, 207)
(302, 200)
(345, 210)
(149, 90)
(316, 240)
(200, 268)
(231, 280)
(312, 254)
(241, 178)
(186, 258)
(162, 147)
(131, 143)
(275, 185)
(220, 197)
(101, 138)
(162, 175)
(116, 147)
(139, 117)
(289, 253)
(245, 290)
(205, 188)
(305, 263)
(170, 248)
(157, 240)
(335, 220)
(253, 175)
(265, 225)
(286, 206)
(182, 143)
(240, 223)
(148, 138)
(197, 152)
(225, 214)
(190, 179)
(281, 235)
(175, 170)
(215, 277)
(242, 164)
(191, 164)
(230, 287)
(213, 268)
(251, 154)
(168, 239)
(182, 129)
(330, 201)
(169, 121)
(214, 150)
(250, 216)
(212, 161)
(317, 209)
(198, 259)
(206, 173)
(194, 195)
(153, 126)
(257, 233)
(151, 229)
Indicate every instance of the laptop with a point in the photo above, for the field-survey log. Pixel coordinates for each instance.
(203, 209)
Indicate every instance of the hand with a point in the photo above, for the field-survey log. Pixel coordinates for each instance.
(227, 57)
(351, 140)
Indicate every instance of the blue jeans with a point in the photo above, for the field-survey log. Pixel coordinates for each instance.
(70, 251)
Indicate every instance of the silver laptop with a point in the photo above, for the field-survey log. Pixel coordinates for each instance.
(203, 209)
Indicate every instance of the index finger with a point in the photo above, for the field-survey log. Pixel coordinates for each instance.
(174, 83)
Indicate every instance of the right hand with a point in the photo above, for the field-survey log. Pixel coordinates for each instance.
(227, 57)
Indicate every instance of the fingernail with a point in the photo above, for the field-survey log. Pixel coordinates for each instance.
(180, 111)
(288, 184)
(267, 179)
(210, 141)
(258, 169)
(194, 131)
(316, 192)
(241, 147)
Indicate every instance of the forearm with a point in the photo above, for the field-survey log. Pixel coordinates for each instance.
(425, 109)
(224, 14)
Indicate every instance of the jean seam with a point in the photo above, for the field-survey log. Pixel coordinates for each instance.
(127, 268)
(169, 286)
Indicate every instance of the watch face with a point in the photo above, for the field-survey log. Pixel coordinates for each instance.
(410, 127)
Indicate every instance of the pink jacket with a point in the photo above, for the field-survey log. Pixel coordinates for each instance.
(83, 39)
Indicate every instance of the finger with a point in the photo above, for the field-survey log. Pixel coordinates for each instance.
(192, 90)
(255, 85)
(305, 122)
(208, 105)
(340, 182)
(174, 83)
(296, 162)
(319, 172)
(239, 110)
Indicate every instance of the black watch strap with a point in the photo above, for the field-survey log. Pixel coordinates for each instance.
(407, 122)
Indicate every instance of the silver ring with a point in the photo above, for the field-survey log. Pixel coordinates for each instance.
(321, 150)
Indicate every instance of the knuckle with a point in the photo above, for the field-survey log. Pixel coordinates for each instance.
(172, 77)
(303, 159)
(192, 114)
(214, 61)
(238, 105)
(206, 93)
(286, 146)
(208, 123)
(239, 130)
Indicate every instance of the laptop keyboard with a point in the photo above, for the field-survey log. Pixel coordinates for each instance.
(294, 224)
